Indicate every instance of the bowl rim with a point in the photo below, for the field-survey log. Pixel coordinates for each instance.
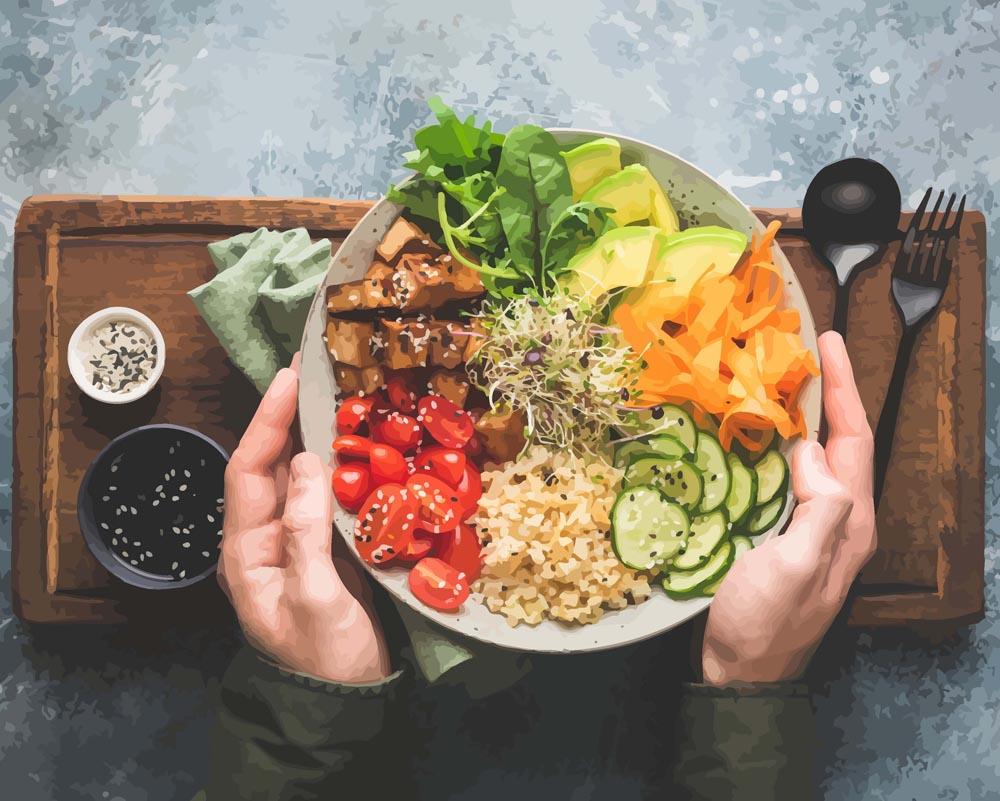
(691, 607)
(88, 525)
(75, 363)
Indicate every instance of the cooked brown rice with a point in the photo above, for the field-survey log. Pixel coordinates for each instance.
(544, 522)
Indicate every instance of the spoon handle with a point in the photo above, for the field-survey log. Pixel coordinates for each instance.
(840, 309)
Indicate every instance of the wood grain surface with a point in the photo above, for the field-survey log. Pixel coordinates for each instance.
(76, 254)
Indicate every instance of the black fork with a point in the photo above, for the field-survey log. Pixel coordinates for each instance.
(919, 278)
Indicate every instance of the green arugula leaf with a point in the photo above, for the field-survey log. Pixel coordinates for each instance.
(580, 224)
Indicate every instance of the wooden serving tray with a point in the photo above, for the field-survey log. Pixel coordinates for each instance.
(76, 254)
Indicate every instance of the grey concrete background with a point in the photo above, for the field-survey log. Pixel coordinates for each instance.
(300, 98)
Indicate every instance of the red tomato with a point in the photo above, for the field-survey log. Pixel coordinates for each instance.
(440, 507)
(417, 549)
(388, 465)
(353, 414)
(445, 463)
(469, 491)
(438, 584)
(399, 430)
(401, 393)
(460, 548)
(351, 484)
(385, 524)
(446, 422)
(352, 447)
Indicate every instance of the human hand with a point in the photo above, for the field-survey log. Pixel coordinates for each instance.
(276, 564)
(779, 599)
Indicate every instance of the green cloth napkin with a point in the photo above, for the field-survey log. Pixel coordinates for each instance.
(257, 307)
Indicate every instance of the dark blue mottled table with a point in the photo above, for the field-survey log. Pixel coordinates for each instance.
(299, 98)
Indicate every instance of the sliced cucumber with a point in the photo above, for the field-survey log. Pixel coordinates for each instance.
(707, 533)
(625, 452)
(684, 584)
(764, 517)
(679, 480)
(711, 461)
(667, 446)
(646, 528)
(742, 490)
(673, 420)
(741, 545)
(772, 477)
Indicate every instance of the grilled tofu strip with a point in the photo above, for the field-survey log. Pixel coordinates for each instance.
(450, 384)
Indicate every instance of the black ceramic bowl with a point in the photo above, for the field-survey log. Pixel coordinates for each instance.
(150, 506)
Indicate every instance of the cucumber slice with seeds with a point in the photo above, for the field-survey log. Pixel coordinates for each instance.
(764, 517)
(742, 490)
(772, 477)
(679, 480)
(646, 528)
(711, 461)
(672, 420)
(707, 533)
(684, 584)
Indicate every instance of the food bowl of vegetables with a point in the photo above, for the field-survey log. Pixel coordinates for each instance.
(558, 374)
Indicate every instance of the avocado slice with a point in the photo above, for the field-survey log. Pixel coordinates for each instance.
(621, 257)
(682, 260)
(635, 195)
(591, 162)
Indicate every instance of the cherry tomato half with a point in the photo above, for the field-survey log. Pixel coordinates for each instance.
(445, 422)
(469, 491)
(445, 463)
(388, 465)
(353, 414)
(385, 524)
(417, 549)
(438, 584)
(402, 394)
(352, 447)
(460, 548)
(352, 483)
(399, 430)
(440, 507)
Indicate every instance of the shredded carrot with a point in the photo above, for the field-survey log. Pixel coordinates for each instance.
(729, 351)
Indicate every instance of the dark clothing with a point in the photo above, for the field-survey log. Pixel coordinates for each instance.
(285, 736)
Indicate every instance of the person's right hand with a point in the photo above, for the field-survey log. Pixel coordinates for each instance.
(779, 599)
(276, 563)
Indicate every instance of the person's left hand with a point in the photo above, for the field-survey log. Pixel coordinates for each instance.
(295, 603)
(778, 600)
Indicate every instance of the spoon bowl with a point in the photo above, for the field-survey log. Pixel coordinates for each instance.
(850, 213)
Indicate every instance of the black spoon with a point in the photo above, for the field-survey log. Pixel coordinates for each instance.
(850, 213)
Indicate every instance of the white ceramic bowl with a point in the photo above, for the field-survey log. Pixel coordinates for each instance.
(698, 199)
(76, 355)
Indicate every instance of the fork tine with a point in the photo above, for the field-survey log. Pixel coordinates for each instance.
(934, 211)
(957, 224)
(919, 213)
(944, 228)
(934, 259)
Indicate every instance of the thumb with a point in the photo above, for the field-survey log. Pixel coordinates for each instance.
(308, 516)
(824, 502)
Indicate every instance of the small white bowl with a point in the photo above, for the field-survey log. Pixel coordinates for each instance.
(76, 356)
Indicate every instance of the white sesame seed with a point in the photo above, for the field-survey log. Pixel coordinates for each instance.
(105, 526)
(118, 531)
(187, 474)
(175, 529)
(112, 487)
(210, 518)
(183, 487)
(156, 502)
(185, 544)
(114, 540)
(182, 574)
(175, 498)
(205, 553)
(173, 565)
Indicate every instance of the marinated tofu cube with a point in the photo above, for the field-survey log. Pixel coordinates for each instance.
(447, 346)
(407, 343)
(354, 380)
(450, 384)
(405, 237)
(502, 434)
(350, 342)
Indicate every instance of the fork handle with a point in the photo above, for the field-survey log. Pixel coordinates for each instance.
(886, 429)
